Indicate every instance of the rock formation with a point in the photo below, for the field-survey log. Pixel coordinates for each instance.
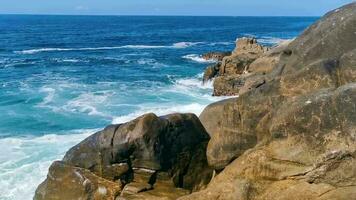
(290, 135)
(150, 157)
(218, 56)
(293, 137)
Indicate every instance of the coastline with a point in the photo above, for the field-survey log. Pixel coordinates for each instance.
(258, 143)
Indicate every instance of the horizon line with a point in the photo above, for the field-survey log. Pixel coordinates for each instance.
(138, 15)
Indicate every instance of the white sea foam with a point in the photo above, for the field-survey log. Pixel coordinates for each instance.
(68, 60)
(185, 44)
(178, 45)
(192, 83)
(150, 61)
(221, 43)
(88, 103)
(24, 162)
(49, 97)
(161, 110)
(192, 87)
(271, 40)
(198, 58)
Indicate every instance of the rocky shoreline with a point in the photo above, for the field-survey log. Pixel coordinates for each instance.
(291, 133)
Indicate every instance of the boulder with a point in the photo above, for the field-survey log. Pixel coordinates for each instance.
(270, 59)
(324, 62)
(227, 85)
(248, 46)
(293, 137)
(131, 156)
(210, 72)
(218, 56)
(310, 153)
(234, 124)
(249, 70)
(257, 105)
(68, 182)
(247, 50)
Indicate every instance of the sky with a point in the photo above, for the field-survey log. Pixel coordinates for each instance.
(172, 7)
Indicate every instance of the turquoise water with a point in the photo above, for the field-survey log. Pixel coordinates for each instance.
(65, 77)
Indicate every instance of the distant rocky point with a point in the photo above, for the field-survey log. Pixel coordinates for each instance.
(290, 135)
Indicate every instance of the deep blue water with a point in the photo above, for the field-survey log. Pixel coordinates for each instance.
(63, 77)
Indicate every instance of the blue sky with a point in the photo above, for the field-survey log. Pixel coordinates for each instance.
(172, 7)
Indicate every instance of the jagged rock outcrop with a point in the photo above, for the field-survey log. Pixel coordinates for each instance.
(210, 72)
(247, 50)
(293, 137)
(150, 156)
(248, 67)
(235, 63)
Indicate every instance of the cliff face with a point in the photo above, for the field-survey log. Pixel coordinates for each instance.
(290, 135)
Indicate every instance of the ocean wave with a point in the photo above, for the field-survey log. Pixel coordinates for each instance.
(193, 83)
(221, 43)
(24, 162)
(185, 44)
(88, 103)
(49, 97)
(195, 108)
(178, 45)
(68, 60)
(271, 40)
(198, 58)
(151, 62)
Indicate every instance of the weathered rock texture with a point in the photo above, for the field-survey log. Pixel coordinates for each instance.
(146, 158)
(294, 136)
(218, 56)
(245, 68)
(291, 135)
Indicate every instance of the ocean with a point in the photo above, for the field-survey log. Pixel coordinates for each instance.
(63, 78)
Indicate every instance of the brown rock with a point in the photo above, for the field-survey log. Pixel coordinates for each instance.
(68, 182)
(324, 55)
(210, 72)
(227, 85)
(129, 155)
(218, 56)
(247, 50)
(303, 120)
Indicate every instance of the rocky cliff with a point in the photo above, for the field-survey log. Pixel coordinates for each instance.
(291, 134)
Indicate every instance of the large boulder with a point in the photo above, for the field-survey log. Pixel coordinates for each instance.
(324, 55)
(134, 155)
(310, 153)
(293, 137)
